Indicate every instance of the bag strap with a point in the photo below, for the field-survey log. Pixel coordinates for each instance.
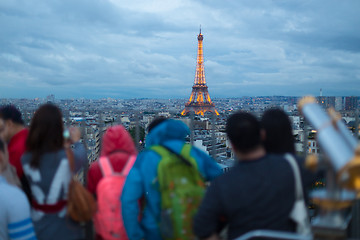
(105, 166)
(186, 149)
(295, 168)
(107, 169)
(130, 162)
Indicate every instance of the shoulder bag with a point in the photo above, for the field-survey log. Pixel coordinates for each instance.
(299, 213)
(81, 205)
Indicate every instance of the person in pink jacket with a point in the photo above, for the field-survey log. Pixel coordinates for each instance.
(118, 146)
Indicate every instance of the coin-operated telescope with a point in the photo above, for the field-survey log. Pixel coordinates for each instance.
(342, 164)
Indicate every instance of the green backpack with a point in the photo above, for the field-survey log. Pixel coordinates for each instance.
(182, 189)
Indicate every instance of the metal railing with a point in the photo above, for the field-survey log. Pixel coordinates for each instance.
(268, 234)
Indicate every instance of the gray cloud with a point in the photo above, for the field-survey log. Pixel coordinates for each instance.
(125, 49)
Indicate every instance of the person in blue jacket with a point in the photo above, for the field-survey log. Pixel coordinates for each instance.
(141, 181)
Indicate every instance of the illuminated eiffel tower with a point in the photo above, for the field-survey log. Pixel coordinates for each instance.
(199, 101)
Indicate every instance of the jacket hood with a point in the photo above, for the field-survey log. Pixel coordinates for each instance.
(116, 138)
(168, 130)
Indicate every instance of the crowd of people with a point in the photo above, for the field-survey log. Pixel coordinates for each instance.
(170, 190)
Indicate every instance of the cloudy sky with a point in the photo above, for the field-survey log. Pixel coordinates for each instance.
(147, 49)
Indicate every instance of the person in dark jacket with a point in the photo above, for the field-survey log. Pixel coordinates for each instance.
(254, 194)
(279, 139)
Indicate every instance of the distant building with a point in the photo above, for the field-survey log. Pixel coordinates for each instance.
(164, 114)
(125, 120)
(339, 103)
(351, 103)
(199, 144)
(326, 102)
(295, 120)
(313, 146)
(50, 98)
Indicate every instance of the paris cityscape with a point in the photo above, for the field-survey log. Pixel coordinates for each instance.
(94, 115)
(205, 117)
(105, 70)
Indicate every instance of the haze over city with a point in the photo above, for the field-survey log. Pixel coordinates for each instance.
(147, 49)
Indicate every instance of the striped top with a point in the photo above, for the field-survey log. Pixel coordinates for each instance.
(15, 221)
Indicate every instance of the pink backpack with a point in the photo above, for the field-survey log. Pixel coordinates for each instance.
(108, 219)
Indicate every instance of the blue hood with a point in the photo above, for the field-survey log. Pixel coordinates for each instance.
(167, 130)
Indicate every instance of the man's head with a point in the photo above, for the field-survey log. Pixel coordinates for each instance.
(10, 122)
(243, 130)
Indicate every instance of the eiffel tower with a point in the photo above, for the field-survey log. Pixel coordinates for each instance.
(199, 101)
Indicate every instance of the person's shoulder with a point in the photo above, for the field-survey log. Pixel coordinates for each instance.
(57, 155)
(274, 156)
(60, 154)
(221, 183)
(15, 203)
(24, 133)
(278, 160)
(18, 140)
(11, 195)
(228, 176)
(147, 152)
(25, 158)
(299, 159)
(196, 149)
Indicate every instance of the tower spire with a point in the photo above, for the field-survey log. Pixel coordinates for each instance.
(199, 100)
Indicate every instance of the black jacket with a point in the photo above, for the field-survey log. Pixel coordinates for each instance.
(257, 194)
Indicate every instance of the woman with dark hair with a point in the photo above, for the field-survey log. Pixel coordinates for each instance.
(279, 139)
(47, 169)
(278, 132)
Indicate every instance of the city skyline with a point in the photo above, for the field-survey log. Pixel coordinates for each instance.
(147, 49)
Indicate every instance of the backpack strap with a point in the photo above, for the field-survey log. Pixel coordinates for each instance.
(184, 155)
(105, 166)
(130, 162)
(185, 151)
(180, 156)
